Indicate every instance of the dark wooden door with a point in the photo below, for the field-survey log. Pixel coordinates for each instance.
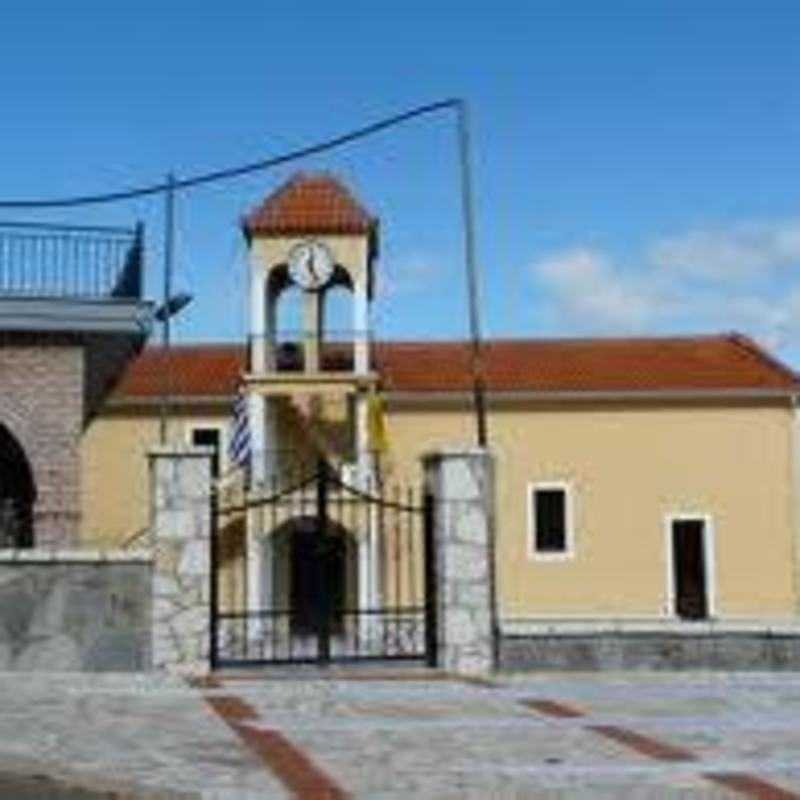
(318, 578)
(304, 581)
(688, 558)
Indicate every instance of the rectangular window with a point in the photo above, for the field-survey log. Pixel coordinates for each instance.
(208, 437)
(549, 516)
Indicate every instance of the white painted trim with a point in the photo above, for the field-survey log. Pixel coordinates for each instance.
(709, 556)
(569, 521)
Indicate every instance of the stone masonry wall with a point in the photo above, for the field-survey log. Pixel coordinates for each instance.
(180, 481)
(74, 611)
(462, 484)
(42, 405)
(651, 651)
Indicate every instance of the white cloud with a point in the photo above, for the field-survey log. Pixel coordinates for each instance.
(410, 274)
(591, 291)
(705, 280)
(740, 251)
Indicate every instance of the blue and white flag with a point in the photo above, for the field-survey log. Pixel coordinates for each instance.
(239, 444)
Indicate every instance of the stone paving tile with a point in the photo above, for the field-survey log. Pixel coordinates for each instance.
(755, 747)
(431, 765)
(788, 778)
(152, 733)
(430, 741)
(456, 740)
(393, 739)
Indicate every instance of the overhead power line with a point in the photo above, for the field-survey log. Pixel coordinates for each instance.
(236, 172)
(171, 186)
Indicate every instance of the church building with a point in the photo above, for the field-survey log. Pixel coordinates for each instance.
(644, 486)
(646, 502)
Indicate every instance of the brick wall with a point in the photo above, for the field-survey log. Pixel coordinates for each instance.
(42, 405)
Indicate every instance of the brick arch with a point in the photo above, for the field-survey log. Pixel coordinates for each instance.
(17, 492)
(17, 422)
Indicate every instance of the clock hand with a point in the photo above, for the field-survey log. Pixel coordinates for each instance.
(310, 264)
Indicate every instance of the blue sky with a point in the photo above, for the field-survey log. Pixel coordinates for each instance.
(635, 162)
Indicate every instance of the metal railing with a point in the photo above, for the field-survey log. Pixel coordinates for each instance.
(40, 260)
(285, 351)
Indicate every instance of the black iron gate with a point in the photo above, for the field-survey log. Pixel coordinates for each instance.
(344, 571)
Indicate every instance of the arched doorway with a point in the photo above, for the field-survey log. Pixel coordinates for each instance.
(332, 575)
(314, 574)
(17, 493)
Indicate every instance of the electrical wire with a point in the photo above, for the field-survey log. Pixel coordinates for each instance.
(235, 172)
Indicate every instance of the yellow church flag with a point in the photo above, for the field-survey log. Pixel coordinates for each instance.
(376, 416)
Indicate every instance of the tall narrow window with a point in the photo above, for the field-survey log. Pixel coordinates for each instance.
(549, 520)
(690, 580)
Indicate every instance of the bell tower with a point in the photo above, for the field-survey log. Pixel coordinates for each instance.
(309, 237)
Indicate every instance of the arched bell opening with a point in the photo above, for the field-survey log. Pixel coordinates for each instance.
(17, 493)
(338, 334)
(286, 324)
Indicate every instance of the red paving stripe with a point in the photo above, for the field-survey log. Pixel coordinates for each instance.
(750, 786)
(552, 708)
(231, 708)
(293, 768)
(643, 744)
(296, 771)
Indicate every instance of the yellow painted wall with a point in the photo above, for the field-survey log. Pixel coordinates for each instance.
(114, 471)
(114, 449)
(629, 466)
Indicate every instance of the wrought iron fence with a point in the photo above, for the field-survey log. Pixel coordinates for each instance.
(40, 260)
(347, 574)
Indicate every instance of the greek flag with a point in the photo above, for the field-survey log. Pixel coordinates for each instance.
(239, 443)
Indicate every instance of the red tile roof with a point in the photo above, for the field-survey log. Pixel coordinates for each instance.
(309, 203)
(702, 363)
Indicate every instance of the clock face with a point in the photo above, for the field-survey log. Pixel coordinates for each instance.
(310, 265)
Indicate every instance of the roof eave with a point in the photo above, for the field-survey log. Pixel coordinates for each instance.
(500, 397)
(523, 395)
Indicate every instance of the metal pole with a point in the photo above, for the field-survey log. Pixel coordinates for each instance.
(322, 552)
(214, 578)
(468, 213)
(169, 254)
(477, 359)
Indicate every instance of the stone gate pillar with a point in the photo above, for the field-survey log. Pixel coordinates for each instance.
(180, 508)
(462, 484)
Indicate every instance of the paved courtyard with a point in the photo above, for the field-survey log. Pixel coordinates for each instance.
(393, 736)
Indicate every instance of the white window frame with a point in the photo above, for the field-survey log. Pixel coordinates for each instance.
(709, 557)
(569, 521)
